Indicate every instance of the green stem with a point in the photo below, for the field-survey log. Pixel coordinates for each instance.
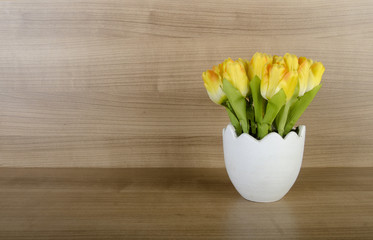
(233, 118)
(282, 117)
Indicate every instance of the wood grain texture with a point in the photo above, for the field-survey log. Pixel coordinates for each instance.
(188, 203)
(118, 83)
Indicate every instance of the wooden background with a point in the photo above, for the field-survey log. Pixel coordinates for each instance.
(118, 83)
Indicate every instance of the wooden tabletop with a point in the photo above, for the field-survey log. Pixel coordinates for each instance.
(188, 203)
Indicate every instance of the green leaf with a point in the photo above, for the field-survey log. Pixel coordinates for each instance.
(238, 103)
(274, 105)
(234, 120)
(299, 107)
(282, 116)
(262, 130)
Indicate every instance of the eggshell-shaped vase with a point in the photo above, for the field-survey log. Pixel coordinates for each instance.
(263, 170)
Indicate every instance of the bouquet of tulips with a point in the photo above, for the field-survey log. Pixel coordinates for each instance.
(265, 94)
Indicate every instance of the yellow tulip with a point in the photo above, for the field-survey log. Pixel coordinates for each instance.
(315, 75)
(213, 84)
(277, 77)
(257, 64)
(235, 73)
(271, 77)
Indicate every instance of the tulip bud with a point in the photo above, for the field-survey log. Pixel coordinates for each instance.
(277, 77)
(235, 73)
(257, 64)
(289, 83)
(316, 72)
(213, 84)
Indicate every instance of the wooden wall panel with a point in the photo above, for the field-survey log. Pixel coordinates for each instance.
(118, 83)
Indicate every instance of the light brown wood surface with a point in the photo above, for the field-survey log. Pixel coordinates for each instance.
(189, 203)
(111, 83)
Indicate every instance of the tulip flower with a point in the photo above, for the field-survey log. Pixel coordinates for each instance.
(236, 87)
(235, 73)
(228, 85)
(316, 72)
(277, 77)
(257, 64)
(213, 84)
(310, 74)
(291, 63)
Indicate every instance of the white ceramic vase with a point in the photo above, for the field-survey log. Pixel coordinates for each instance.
(263, 170)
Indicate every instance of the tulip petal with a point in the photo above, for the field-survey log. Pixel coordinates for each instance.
(288, 84)
(291, 61)
(276, 73)
(303, 74)
(316, 72)
(257, 64)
